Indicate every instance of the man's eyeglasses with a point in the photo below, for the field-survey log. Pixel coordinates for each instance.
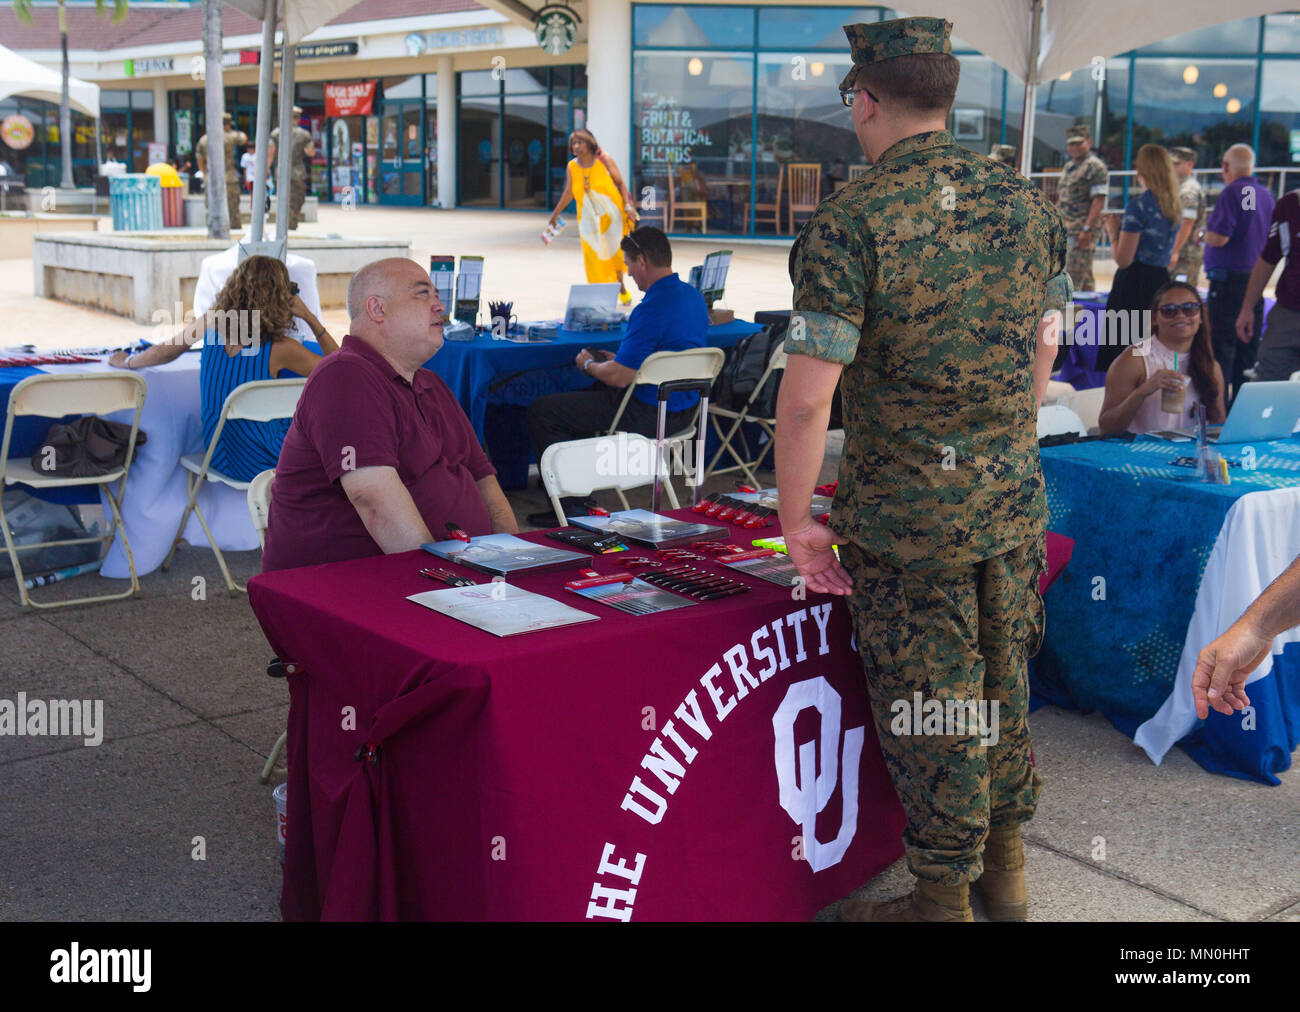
(848, 94)
(635, 245)
(1185, 308)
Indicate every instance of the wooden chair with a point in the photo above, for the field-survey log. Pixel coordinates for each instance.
(662, 202)
(692, 212)
(805, 189)
(857, 171)
(769, 214)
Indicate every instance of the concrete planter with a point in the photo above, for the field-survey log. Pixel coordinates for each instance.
(137, 274)
(17, 231)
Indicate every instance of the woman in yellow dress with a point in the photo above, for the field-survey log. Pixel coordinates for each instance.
(606, 210)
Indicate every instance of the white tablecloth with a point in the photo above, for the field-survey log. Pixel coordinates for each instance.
(1260, 537)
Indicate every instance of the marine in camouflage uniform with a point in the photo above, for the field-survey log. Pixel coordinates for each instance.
(926, 280)
(1192, 197)
(1084, 178)
(297, 169)
(232, 139)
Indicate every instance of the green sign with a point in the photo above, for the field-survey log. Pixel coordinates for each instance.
(557, 29)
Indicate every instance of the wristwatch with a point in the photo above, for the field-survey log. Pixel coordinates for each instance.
(1086, 228)
(586, 366)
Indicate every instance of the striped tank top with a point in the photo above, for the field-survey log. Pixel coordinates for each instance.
(246, 448)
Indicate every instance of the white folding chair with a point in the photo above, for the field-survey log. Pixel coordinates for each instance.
(675, 366)
(259, 401)
(259, 508)
(775, 364)
(1058, 420)
(1087, 405)
(54, 397)
(619, 461)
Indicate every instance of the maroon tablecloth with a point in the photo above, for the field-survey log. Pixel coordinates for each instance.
(660, 767)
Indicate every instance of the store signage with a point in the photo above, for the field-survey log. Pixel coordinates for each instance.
(184, 131)
(17, 131)
(668, 133)
(356, 98)
(466, 37)
(310, 51)
(556, 27)
(159, 65)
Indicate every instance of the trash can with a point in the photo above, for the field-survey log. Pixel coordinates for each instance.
(173, 194)
(135, 200)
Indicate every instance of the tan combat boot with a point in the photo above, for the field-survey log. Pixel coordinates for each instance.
(927, 902)
(1002, 886)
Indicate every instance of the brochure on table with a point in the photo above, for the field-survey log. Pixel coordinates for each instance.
(652, 529)
(503, 554)
(501, 609)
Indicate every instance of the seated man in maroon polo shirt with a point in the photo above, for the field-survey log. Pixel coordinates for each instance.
(380, 458)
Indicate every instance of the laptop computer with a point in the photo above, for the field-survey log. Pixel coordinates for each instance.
(1262, 411)
(603, 299)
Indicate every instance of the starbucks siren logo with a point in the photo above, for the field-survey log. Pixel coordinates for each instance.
(557, 28)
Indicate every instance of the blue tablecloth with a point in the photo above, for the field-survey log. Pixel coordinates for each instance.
(28, 432)
(1080, 366)
(494, 381)
(1118, 616)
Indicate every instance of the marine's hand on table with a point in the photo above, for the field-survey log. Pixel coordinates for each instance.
(810, 551)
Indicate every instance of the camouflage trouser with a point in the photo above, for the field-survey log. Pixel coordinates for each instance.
(952, 634)
(233, 190)
(297, 194)
(1078, 264)
(1190, 266)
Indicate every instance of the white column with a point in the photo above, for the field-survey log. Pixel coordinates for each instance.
(446, 132)
(609, 79)
(161, 125)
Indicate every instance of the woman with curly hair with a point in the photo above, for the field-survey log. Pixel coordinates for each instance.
(246, 337)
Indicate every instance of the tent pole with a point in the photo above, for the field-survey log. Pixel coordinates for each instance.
(263, 132)
(1031, 88)
(285, 148)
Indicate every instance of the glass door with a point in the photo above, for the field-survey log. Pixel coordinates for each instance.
(401, 152)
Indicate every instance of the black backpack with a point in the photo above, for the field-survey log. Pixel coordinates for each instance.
(743, 368)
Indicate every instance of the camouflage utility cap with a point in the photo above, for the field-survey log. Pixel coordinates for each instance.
(887, 40)
(1076, 135)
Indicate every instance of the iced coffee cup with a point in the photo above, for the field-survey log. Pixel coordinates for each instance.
(1171, 401)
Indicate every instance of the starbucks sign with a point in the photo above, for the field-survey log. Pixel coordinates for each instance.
(556, 26)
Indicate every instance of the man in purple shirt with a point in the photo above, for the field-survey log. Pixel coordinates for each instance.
(1234, 236)
(380, 457)
(1279, 352)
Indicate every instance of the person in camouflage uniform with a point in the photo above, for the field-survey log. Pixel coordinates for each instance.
(1185, 262)
(920, 291)
(1085, 184)
(302, 145)
(232, 139)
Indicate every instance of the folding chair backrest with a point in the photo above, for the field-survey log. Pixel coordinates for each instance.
(578, 467)
(693, 363)
(263, 400)
(1057, 420)
(259, 502)
(1087, 405)
(53, 396)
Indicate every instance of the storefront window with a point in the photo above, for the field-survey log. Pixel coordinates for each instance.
(693, 132)
(1279, 121)
(799, 28)
(1210, 115)
(693, 27)
(1282, 33)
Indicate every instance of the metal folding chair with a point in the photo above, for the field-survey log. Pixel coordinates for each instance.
(752, 457)
(259, 401)
(53, 396)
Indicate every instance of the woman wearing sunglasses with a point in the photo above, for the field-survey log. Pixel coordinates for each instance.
(1178, 361)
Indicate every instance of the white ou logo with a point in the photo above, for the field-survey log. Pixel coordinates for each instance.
(804, 792)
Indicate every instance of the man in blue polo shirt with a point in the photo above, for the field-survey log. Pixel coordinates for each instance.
(1235, 234)
(671, 317)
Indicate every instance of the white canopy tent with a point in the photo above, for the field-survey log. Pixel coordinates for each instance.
(300, 18)
(1038, 40)
(21, 76)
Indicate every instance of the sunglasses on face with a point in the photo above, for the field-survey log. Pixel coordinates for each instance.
(635, 245)
(847, 95)
(1174, 309)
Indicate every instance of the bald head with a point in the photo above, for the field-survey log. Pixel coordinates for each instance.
(1240, 159)
(373, 279)
(395, 309)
